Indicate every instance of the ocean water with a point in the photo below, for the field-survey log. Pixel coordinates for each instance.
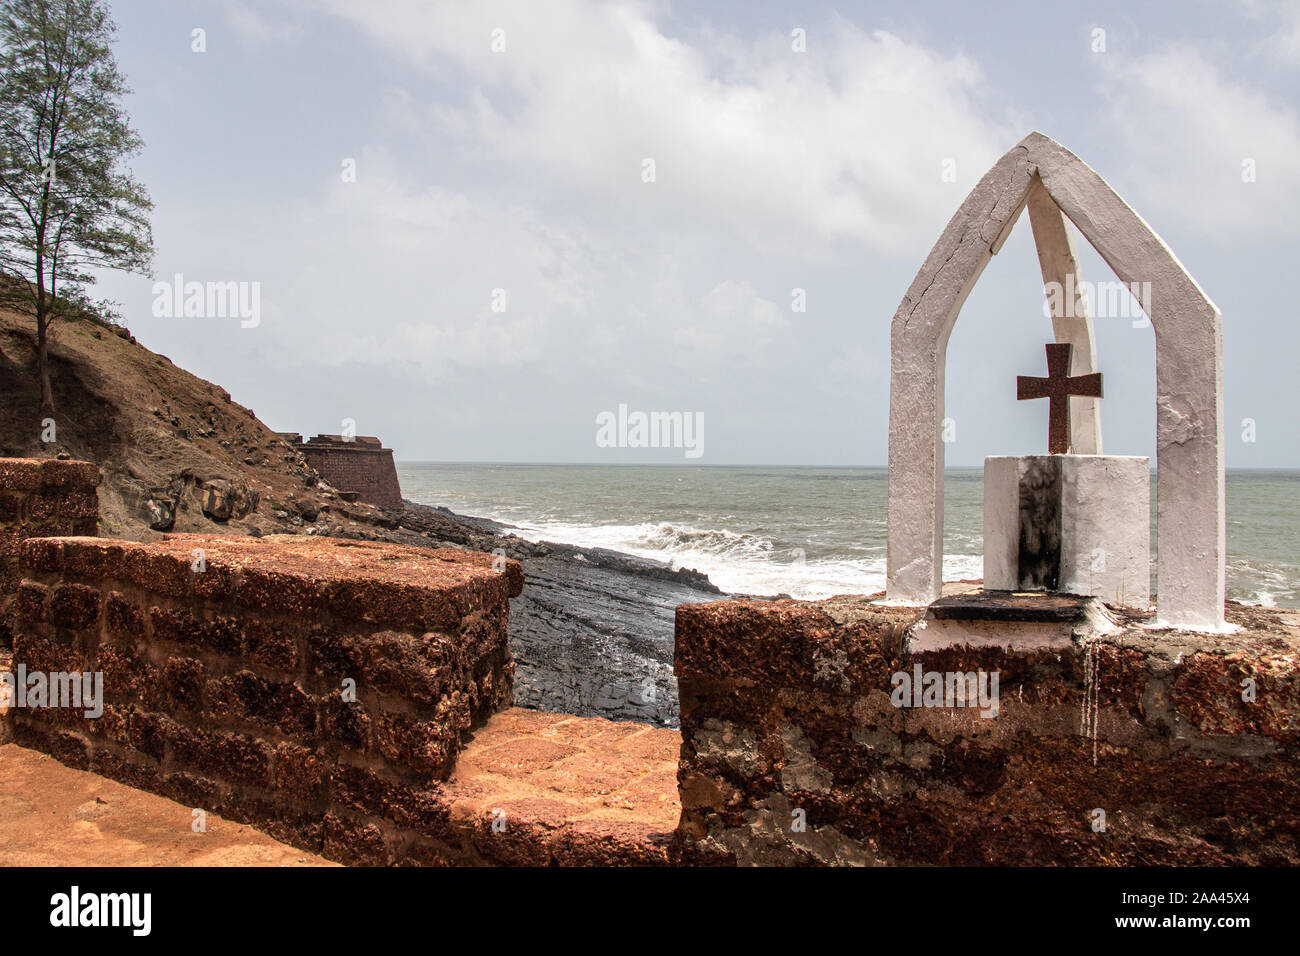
(807, 532)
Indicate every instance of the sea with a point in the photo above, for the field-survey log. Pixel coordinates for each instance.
(805, 532)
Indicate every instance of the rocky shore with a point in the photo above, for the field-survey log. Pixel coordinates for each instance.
(592, 633)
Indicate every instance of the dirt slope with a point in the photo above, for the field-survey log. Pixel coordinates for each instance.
(177, 453)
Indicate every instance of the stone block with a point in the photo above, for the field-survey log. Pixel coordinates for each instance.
(1077, 524)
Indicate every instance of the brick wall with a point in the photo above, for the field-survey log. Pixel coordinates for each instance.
(40, 498)
(363, 466)
(225, 664)
(793, 752)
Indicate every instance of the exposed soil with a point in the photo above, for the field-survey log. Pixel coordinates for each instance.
(165, 440)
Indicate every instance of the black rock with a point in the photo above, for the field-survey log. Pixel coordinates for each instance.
(592, 633)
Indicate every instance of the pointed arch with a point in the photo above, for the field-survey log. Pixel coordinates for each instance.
(1190, 515)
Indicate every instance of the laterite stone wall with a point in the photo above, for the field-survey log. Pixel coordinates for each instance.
(40, 498)
(317, 689)
(1146, 747)
(361, 465)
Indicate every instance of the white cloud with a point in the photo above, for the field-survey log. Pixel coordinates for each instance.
(732, 319)
(527, 177)
(1191, 132)
(255, 31)
(447, 283)
(1282, 21)
(784, 149)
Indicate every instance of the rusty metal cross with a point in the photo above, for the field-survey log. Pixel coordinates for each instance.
(1057, 388)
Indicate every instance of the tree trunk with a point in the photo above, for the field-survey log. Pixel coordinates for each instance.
(43, 369)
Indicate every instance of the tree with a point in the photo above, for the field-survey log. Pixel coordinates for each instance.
(67, 204)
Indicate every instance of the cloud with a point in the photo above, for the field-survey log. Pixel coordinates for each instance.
(1195, 137)
(781, 149)
(446, 283)
(256, 31)
(522, 171)
(732, 320)
(1282, 21)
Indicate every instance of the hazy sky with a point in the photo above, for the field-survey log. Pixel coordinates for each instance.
(523, 169)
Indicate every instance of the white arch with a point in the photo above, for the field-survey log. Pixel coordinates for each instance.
(1190, 524)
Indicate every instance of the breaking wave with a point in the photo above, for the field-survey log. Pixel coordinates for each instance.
(741, 562)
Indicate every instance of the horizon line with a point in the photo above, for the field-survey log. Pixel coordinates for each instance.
(694, 464)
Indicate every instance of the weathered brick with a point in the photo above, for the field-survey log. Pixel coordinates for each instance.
(300, 773)
(236, 758)
(334, 654)
(183, 684)
(364, 791)
(128, 674)
(142, 775)
(123, 619)
(354, 842)
(77, 507)
(302, 830)
(66, 473)
(272, 644)
(214, 582)
(212, 676)
(284, 823)
(159, 572)
(193, 790)
(32, 603)
(42, 555)
(97, 560)
(20, 474)
(149, 733)
(266, 589)
(74, 606)
(347, 723)
(11, 504)
(113, 724)
(49, 656)
(180, 626)
(422, 746)
(416, 668)
(67, 748)
(271, 704)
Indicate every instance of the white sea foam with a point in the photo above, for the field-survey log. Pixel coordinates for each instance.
(739, 562)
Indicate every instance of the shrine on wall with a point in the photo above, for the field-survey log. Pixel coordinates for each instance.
(1074, 521)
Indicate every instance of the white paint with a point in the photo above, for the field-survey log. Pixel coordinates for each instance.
(1105, 508)
(1001, 523)
(938, 634)
(1189, 394)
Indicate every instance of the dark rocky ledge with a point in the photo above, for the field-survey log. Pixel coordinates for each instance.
(592, 633)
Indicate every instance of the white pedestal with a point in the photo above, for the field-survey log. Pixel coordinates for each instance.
(1076, 524)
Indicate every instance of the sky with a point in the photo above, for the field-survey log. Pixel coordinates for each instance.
(473, 229)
